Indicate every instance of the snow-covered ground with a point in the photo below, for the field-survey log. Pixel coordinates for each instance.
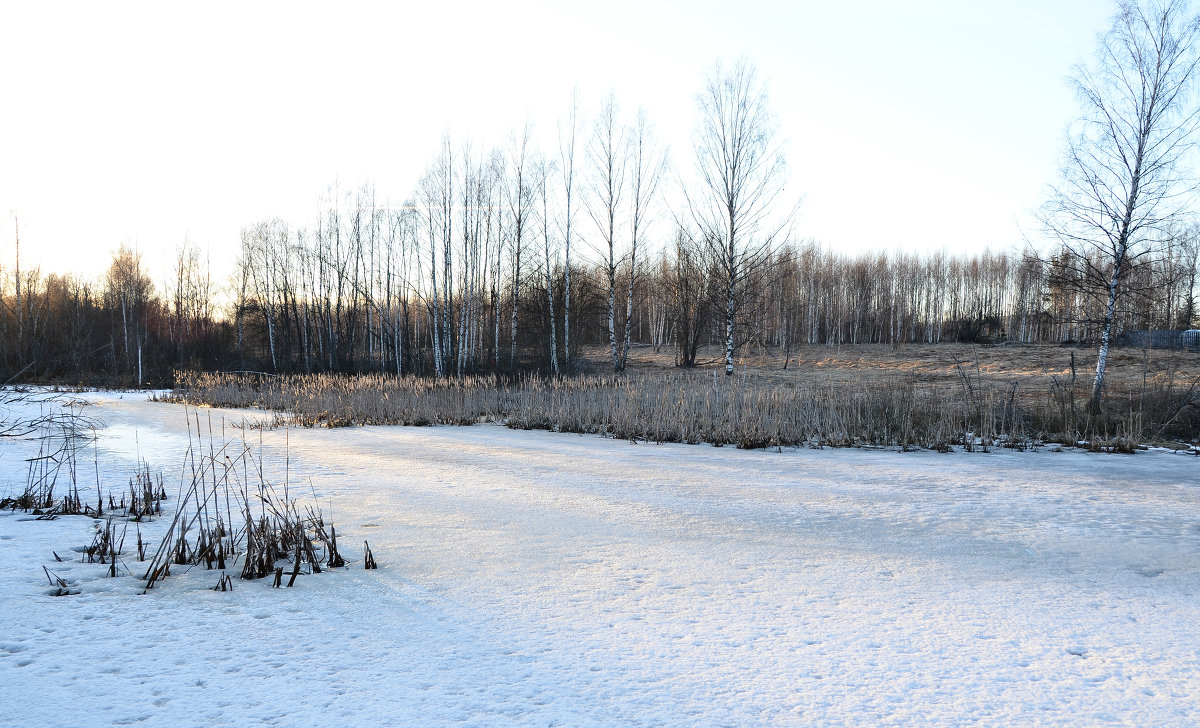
(538, 579)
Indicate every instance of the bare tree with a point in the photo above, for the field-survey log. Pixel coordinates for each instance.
(566, 153)
(742, 170)
(689, 288)
(607, 156)
(621, 159)
(543, 169)
(1122, 181)
(17, 278)
(648, 163)
(128, 289)
(191, 299)
(520, 196)
(437, 198)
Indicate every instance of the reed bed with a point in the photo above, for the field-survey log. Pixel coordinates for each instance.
(229, 511)
(905, 411)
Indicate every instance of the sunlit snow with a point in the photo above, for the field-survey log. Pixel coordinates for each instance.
(538, 579)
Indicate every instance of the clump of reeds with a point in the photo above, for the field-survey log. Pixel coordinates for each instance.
(144, 497)
(228, 510)
(106, 547)
(62, 434)
(59, 587)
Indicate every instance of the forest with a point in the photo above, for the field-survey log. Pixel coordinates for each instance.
(355, 292)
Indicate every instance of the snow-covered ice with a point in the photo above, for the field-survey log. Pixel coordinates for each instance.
(538, 579)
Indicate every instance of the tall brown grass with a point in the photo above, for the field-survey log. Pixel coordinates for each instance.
(746, 410)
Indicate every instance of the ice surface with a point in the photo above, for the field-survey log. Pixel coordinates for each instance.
(535, 579)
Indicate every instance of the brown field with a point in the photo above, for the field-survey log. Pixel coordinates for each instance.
(1031, 365)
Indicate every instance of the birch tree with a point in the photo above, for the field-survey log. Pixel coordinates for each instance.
(741, 169)
(606, 154)
(437, 201)
(544, 170)
(566, 152)
(622, 161)
(1123, 182)
(647, 164)
(520, 195)
(128, 292)
(20, 317)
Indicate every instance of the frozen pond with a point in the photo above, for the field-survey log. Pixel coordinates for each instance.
(532, 578)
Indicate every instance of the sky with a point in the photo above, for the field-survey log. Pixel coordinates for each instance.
(922, 125)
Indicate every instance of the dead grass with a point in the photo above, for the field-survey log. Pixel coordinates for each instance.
(928, 397)
(1030, 364)
(63, 435)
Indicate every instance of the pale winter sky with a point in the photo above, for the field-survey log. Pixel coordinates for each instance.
(923, 124)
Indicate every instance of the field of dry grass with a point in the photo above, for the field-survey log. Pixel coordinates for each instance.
(1031, 365)
(925, 397)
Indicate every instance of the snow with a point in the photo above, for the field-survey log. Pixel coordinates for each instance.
(538, 579)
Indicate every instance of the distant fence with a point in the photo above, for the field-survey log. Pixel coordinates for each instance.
(1161, 339)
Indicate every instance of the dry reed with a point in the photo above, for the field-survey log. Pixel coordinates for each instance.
(229, 511)
(903, 411)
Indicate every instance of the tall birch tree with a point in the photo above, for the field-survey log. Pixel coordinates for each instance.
(519, 194)
(741, 168)
(607, 155)
(566, 152)
(647, 165)
(1123, 182)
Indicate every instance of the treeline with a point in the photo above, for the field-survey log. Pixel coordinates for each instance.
(814, 296)
(121, 329)
(357, 293)
(350, 294)
(514, 258)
